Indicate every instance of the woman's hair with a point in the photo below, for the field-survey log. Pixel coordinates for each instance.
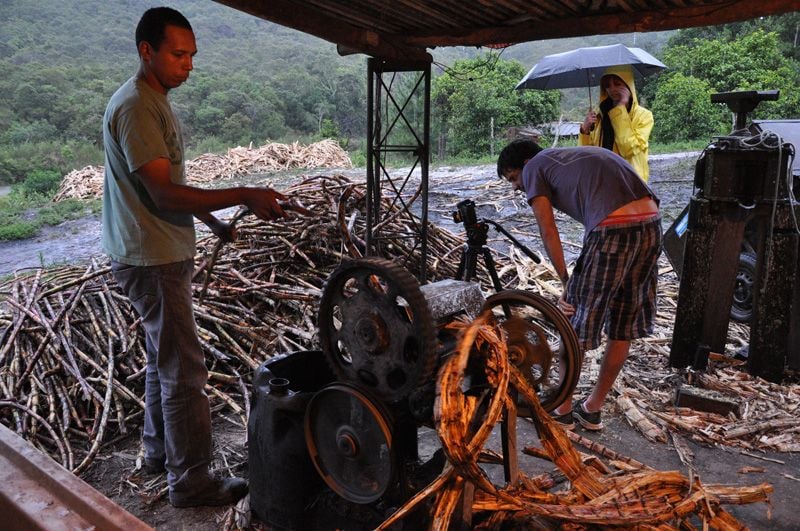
(604, 80)
(515, 154)
(151, 26)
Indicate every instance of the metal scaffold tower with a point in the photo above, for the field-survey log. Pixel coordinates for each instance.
(398, 129)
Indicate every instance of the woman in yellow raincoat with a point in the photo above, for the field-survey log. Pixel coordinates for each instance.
(622, 125)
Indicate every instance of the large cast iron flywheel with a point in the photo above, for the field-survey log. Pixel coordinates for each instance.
(375, 328)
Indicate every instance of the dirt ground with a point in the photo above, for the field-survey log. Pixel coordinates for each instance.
(671, 178)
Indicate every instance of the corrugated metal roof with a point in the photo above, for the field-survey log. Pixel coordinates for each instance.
(565, 128)
(405, 29)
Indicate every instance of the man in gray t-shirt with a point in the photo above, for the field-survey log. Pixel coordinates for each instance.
(613, 282)
(148, 230)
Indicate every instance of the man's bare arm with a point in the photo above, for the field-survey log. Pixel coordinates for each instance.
(168, 196)
(545, 218)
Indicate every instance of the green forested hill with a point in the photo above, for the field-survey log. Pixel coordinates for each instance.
(60, 60)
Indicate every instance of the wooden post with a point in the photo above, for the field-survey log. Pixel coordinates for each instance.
(508, 439)
(491, 136)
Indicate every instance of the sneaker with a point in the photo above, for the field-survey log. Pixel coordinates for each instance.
(589, 421)
(218, 491)
(565, 421)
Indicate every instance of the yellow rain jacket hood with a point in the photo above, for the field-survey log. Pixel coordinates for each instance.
(631, 127)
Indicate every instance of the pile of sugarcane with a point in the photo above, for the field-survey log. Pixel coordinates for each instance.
(71, 350)
(72, 354)
(271, 156)
(87, 183)
(767, 417)
(632, 495)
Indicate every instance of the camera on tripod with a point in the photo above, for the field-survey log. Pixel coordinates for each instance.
(465, 213)
(476, 230)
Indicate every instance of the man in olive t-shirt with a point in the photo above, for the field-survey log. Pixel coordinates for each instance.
(148, 231)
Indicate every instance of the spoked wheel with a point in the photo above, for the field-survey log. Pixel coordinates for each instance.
(536, 329)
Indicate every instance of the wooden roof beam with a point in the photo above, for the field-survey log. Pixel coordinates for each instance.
(348, 37)
(640, 21)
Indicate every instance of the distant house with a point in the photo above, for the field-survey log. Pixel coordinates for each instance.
(568, 129)
(525, 132)
(563, 129)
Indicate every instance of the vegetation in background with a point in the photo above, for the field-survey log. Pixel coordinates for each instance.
(256, 82)
(476, 103)
(29, 206)
(744, 56)
(684, 110)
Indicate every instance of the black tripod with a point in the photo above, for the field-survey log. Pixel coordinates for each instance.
(476, 244)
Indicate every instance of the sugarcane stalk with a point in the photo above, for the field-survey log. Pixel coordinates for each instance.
(106, 408)
(44, 423)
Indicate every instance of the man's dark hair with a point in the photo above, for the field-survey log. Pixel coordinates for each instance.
(151, 26)
(515, 154)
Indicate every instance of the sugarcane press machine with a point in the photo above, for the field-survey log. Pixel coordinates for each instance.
(741, 180)
(335, 435)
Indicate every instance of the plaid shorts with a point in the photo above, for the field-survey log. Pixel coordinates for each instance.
(614, 282)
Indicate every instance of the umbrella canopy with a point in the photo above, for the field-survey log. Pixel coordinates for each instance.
(585, 66)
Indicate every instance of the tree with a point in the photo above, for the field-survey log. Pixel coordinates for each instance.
(787, 26)
(476, 101)
(736, 57)
(236, 109)
(684, 111)
(749, 62)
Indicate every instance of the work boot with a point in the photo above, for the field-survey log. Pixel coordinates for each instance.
(153, 466)
(218, 491)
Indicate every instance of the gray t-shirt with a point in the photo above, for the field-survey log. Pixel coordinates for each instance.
(586, 183)
(139, 127)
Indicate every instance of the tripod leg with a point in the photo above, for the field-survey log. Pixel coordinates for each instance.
(468, 264)
(489, 261)
(498, 286)
(462, 264)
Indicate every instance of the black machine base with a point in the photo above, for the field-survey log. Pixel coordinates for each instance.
(286, 490)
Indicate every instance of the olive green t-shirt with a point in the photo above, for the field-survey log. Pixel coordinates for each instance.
(138, 127)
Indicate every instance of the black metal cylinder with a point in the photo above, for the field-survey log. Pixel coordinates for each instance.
(283, 480)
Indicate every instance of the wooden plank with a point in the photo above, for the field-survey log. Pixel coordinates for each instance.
(462, 518)
(508, 441)
(407, 13)
(38, 494)
(706, 400)
(363, 15)
(300, 17)
(380, 30)
(607, 21)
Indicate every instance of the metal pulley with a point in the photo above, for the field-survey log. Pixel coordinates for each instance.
(535, 332)
(349, 439)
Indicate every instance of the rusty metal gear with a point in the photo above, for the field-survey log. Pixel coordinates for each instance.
(535, 331)
(375, 328)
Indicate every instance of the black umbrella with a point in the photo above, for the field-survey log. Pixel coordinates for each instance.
(585, 66)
